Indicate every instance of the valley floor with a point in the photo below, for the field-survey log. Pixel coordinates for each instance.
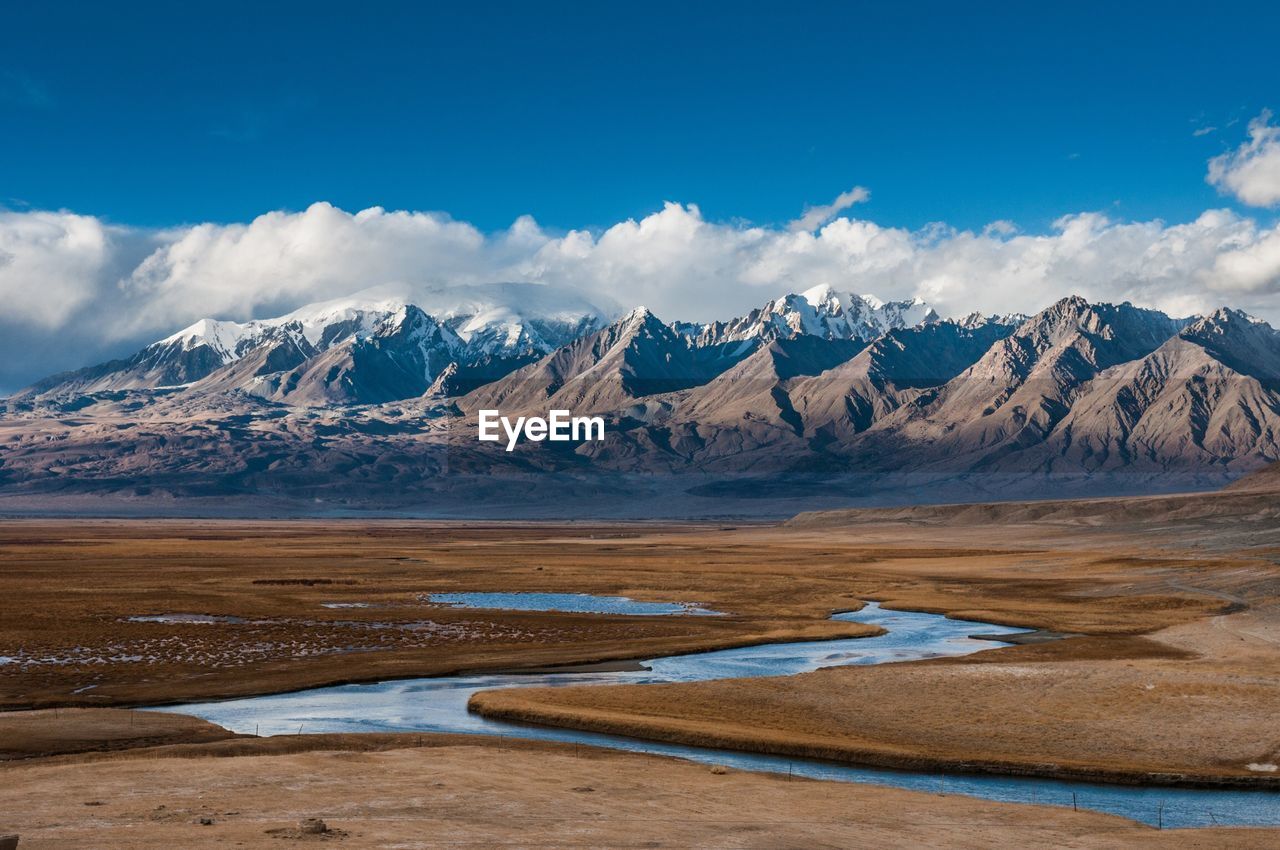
(1174, 672)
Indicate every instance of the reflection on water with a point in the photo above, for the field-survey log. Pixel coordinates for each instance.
(440, 705)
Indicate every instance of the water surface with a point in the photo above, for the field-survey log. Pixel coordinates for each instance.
(440, 705)
(197, 619)
(579, 603)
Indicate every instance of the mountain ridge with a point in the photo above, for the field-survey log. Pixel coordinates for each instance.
(382, 406)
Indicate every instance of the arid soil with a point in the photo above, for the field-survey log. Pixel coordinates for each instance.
(418, 792)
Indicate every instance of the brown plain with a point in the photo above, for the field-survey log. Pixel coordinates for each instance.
(1172, 676)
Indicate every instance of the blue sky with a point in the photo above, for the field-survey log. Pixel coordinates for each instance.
(162, 163)
(586, 114)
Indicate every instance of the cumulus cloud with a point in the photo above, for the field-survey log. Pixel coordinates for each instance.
(77, 289)
(815, 217)
(281, 260)
(1252, 171)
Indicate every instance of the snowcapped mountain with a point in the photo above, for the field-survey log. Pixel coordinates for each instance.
(977, 320)
(501, 319)
(640, 356)
(1078, 387)
(822, 312)
(845, 316)
(484, 330)
(516, 319)
(389, 357)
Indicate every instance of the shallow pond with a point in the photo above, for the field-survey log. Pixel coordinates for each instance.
(579, 603)
(440, 705)
(197, 619)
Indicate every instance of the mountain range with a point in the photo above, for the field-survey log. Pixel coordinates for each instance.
(821, 395)
(373, 347)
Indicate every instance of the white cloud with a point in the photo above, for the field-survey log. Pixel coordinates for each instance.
(280, 260)
(48, 262)
(1252, 171)
(1252, 268)
(76, 289)
(815, 217)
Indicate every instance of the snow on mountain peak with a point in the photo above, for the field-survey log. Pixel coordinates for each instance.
(821, 311)
(638, 318)
(876, 304)
(977, 320)
(848, 316)
(491, 319)
(822, 295)
(222, 336)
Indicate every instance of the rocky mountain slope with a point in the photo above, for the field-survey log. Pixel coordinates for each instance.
(636, 356)
(820, 395)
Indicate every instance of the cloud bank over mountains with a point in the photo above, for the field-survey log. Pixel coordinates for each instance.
(76, 288)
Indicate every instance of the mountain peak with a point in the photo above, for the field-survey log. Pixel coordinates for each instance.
(642, 321)
(977, 320)
(221, 336)
(1228, 316)
(1070, 310)
(826, 297)
(1246, 344)
(1125, 322)
(822, 295)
